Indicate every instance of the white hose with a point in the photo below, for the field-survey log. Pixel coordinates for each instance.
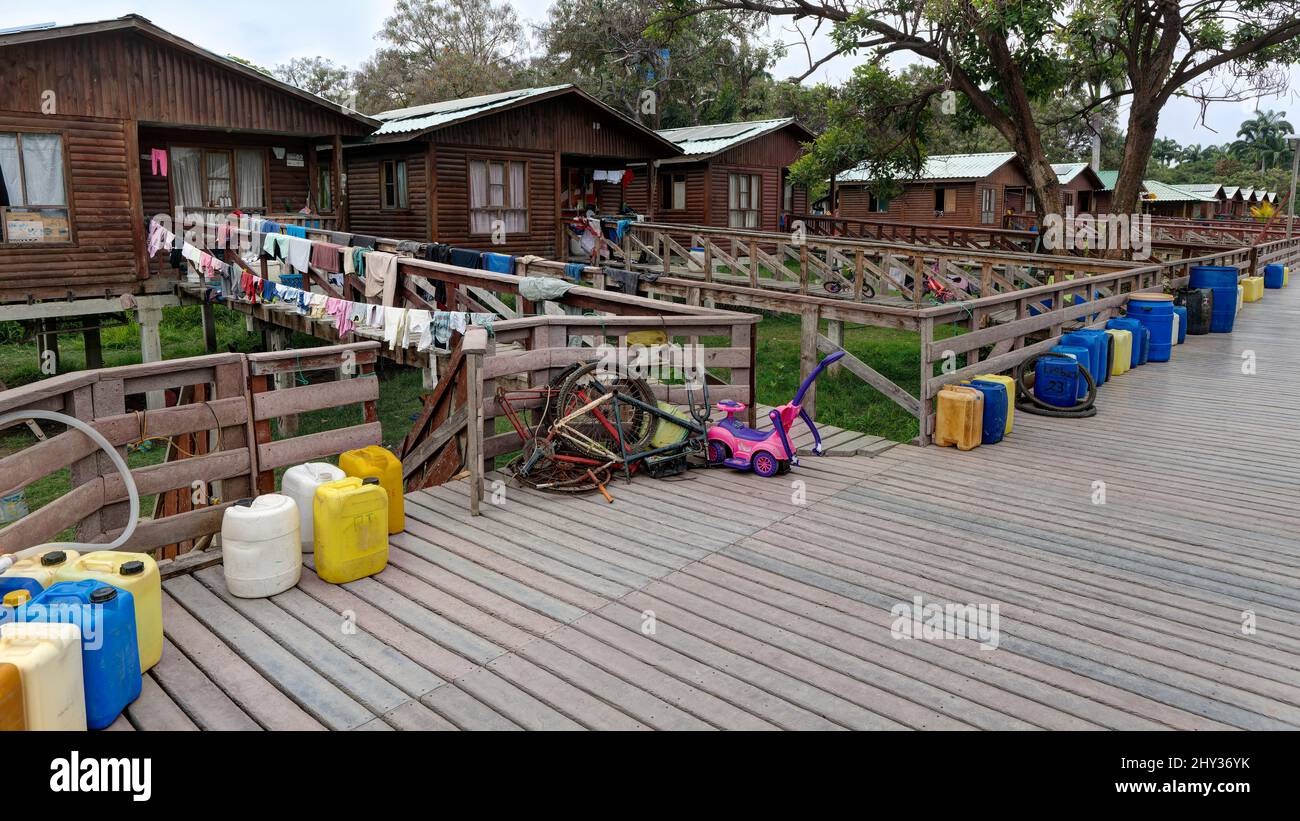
(7, 560)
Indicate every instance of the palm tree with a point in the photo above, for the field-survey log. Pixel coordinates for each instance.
(1264, 137)
(1165, 151)
(1193, 153)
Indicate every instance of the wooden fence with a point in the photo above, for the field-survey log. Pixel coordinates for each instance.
(235, 419)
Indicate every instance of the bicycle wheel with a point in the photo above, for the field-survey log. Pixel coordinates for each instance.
(634, 425)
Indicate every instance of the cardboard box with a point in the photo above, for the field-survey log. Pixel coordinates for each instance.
(30, 225)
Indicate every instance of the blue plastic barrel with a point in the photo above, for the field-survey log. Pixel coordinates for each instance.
(110, 658)
(1084, 357)
(1156, 312)
(1098, 345)
(1274, 275)
(996, 403)
(1213, 276)
(1139, 332)
(1181, 312)
(1057, 380)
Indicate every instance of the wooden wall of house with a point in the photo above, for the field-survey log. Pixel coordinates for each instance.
(132, 76)
(366, 214)
(769, 200)
(566, 123)
(103, 253)
(916, 204)
(452, 226)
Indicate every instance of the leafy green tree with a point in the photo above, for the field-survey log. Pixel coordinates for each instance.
(320, 76)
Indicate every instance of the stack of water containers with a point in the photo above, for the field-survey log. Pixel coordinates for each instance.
(976, 412)
(1221, 280)
(76, 632)
(343, 515)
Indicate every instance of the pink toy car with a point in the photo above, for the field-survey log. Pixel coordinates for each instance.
(767, 453)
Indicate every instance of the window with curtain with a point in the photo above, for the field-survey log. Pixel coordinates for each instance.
(988, 205)
(250, 178)
(743, 200)
(393, 185)
(33, 188)
(945, 200)
(672, 192)
(498, 190)
(877, 205)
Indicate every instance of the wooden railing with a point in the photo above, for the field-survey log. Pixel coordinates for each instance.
(235, 420)
(917, 233)
(1033, 319)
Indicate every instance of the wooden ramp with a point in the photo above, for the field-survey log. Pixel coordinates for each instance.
(727, 601)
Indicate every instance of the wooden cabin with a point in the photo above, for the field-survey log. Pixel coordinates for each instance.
(953, 189)
(519, 160)
(731, 175)
(1163, 200)
(106, 124)
(1079, 186)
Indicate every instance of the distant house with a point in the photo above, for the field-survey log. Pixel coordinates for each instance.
(1161, 199)
(1210, 189)
(520, 161)
(730, 175)
(1079, 187)
(957, 189)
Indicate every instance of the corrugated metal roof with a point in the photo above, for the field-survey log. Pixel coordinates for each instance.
(697, 140)
(1230, 191)
(1108, 178)
(1067, 171)
(1210, 189)
(944, 167)
(1171, 193)
(436, 115)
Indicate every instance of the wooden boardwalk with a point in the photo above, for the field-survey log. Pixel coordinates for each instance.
(770, 601)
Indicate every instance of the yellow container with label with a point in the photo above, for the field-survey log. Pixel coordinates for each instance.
(1254, 288)
(959, 417)
(136, 573)
(1011, 395)
(350, 518)
(48, 658)
(1122, 342)
(11, 699)
(43, 567)
(380, 463)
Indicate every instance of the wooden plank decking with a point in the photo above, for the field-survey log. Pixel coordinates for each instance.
(772, 610)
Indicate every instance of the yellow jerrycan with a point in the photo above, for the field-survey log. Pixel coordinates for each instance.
(350, 518)
(959, 417)
(1254, 288)
(1122, 342)
(43, 567)
(136, 573)
(380, 463)
(11, 699)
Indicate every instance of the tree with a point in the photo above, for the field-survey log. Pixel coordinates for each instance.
(1166, 151)
(320, 76)
(1002, 56)
(1264, 139)
(438, 50)
(699, 69)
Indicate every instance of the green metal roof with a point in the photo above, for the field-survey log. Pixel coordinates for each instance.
(1171, 193)
(698, 141)
(1067, 171)
(1108, 179)
(945, 167)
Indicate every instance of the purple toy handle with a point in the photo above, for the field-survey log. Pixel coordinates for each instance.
(817, 437)
(816, 372)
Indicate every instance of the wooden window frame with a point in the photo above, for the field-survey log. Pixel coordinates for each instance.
(667, 188)
(505, 191)
(69, 206)
(942, 191)
(874, 203)
(233, 150)
(988, 216)
(402, 197)
(754, 194)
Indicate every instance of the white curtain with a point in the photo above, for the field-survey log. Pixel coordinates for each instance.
(9, 168)
(249, 168)
(43, 169)
(517, 217)
(219, 192)
(480, 221)
(187, 177)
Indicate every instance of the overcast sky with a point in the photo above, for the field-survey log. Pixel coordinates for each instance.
(343, 30)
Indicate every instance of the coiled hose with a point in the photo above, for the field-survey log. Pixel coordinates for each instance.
(7, 560)
(1027, 402)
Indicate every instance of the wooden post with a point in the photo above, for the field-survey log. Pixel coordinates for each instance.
(336, 184)
(277, 339)
(803, 267)
(808, 330)
(94, 348)
(150, 318)
(209, 327)
(927, 371)
(474, 344)
(835, 333)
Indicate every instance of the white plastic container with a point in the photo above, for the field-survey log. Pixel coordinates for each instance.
(43, 567)
(260, 549)
(1173, 341)
(48, 658)
(300, 483)
(1241, 296)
